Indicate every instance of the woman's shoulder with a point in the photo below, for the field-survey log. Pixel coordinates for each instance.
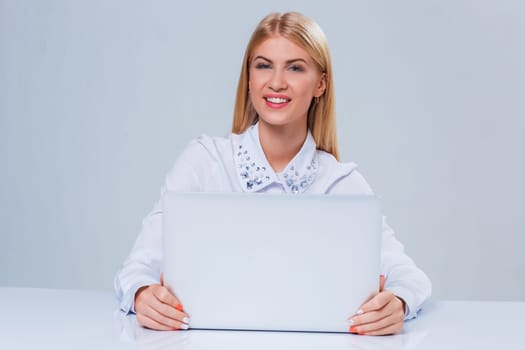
(200, 158)
(206, 147)
(341, 177)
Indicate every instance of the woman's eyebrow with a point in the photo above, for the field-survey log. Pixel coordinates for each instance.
(287, 62)
(297, 60)
(262, 57)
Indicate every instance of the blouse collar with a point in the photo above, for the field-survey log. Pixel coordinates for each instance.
(255, 173)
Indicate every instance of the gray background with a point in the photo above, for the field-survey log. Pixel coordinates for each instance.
(97, 99)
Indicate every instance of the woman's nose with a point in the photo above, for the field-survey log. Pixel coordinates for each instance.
(278, 81)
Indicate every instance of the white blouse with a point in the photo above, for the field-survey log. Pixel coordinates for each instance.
(237, 164)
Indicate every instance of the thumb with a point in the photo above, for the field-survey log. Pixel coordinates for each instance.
(381, 283)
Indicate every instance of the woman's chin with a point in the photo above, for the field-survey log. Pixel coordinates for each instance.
(281, 121)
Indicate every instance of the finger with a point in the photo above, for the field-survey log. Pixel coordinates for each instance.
(381, 283)
(375, 325)
(166, 297)
(392, 307)
(156, 316)
(169, 311)
(147, 322)
(392, 329)
(369, 317)
(376, 303)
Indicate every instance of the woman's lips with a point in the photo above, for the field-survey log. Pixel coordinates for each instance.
(276, 102)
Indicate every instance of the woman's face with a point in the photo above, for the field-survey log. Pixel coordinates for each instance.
(283, 80)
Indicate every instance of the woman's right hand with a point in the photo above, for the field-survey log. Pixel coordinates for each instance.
(157, 308)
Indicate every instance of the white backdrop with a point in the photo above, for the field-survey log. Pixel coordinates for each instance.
(97, 98)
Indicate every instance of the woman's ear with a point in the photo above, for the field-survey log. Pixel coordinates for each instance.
(321, 87)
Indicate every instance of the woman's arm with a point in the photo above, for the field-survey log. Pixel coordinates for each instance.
(137, 283)
(406, 287)
(403, 290)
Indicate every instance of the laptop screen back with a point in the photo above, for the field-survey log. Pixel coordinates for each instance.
(271, 262)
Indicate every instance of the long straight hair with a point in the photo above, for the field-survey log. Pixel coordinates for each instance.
(306, 34)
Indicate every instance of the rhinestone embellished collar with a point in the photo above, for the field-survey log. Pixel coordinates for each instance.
(255, 173)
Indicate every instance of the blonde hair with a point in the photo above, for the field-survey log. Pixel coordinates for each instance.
(306, 34)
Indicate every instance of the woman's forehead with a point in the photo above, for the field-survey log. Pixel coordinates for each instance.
(279, 48)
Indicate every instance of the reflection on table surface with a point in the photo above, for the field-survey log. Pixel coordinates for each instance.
(132, 332)
(63, 319)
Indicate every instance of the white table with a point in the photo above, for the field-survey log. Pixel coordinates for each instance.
(64, 319)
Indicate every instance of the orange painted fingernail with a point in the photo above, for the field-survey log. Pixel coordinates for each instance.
(179, 307)
(353, 329)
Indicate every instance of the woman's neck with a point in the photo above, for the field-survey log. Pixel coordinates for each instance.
(280, 144)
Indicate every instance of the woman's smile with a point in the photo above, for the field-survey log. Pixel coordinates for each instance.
(277, 101)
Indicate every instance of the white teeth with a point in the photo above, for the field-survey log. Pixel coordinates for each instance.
(276, 100)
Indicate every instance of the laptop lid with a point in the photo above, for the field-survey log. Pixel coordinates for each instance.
(271, 262)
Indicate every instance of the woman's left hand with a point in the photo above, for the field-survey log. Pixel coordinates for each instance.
(381, 315)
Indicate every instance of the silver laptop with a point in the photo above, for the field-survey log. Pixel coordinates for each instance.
(271, 262)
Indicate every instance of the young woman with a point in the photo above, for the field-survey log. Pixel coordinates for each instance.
(283, 141)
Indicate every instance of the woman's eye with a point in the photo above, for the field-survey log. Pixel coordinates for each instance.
(262, 66)
(296, 68)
